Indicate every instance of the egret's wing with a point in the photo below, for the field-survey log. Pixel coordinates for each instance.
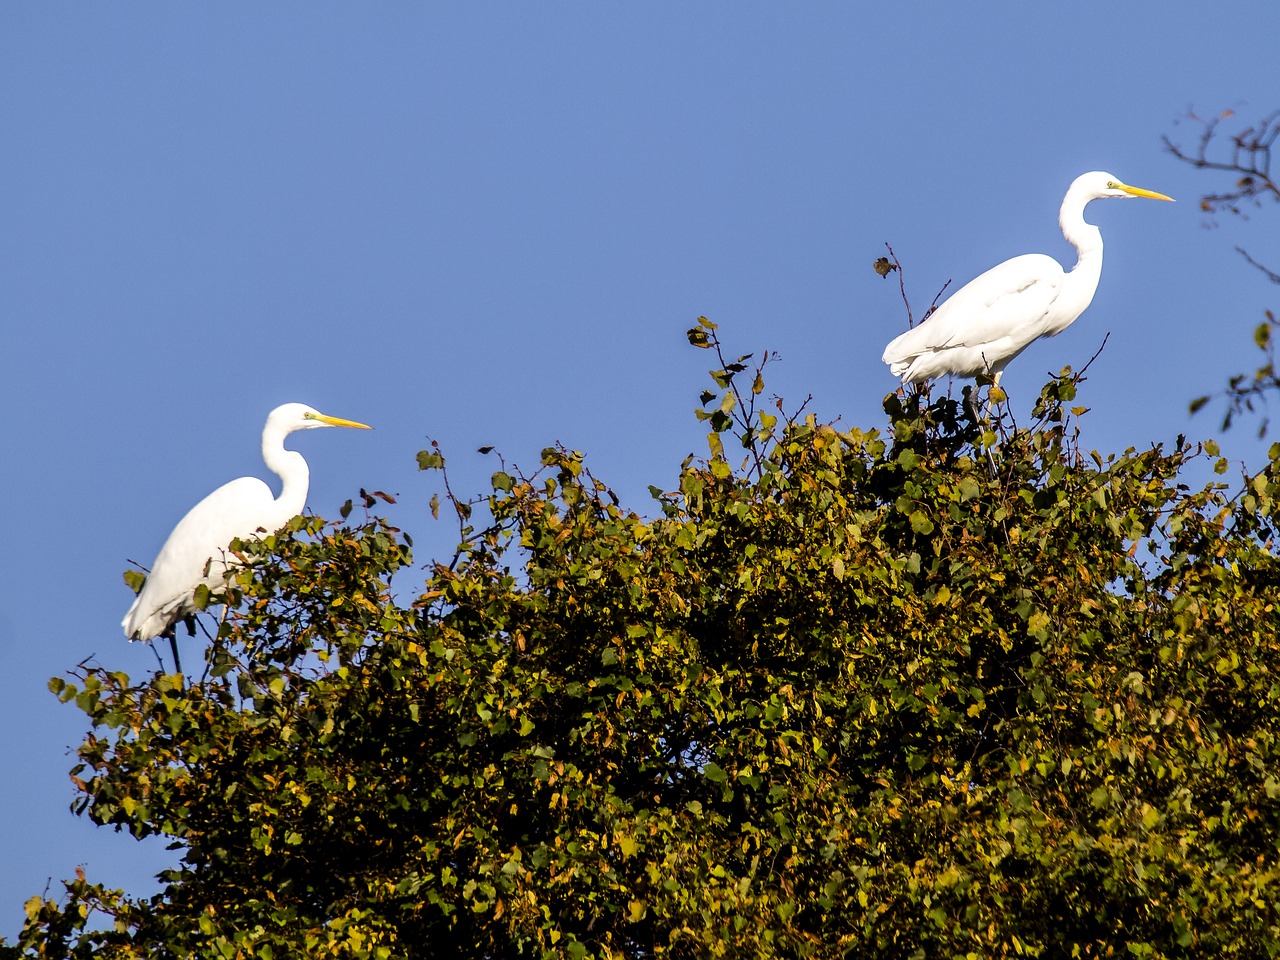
(1007, 304)
(235, 509)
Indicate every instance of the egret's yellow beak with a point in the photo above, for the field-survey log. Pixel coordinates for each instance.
(1139, 192)
(338, 422)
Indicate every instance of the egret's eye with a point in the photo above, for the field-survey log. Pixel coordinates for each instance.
(308, 416)
(1112, 185)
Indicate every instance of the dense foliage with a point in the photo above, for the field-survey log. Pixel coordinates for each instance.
(931, 691)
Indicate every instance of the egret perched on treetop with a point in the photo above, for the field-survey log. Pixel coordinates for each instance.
(992, 319)
(196, 551)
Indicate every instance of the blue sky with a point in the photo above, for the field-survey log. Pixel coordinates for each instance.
(491, 224)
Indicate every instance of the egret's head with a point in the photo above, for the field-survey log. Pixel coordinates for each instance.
(299, 416)
(1098, 185)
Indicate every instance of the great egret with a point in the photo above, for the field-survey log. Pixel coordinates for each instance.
(240, 508)
(992, 319)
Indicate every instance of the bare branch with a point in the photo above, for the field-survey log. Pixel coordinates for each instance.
(1270, 274)
(902, 288)
(934, 306)
(1248, 159)
(1102, 346)
(902, 285)
(1246, 155)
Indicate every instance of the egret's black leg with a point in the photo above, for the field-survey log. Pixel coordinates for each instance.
(991, 464)
(971, 405)
(172, 634)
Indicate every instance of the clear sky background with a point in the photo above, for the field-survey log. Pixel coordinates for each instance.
(491, 224)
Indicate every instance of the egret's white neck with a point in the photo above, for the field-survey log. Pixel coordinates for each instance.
(1085, 237)
(1081, 281)
(290, 467)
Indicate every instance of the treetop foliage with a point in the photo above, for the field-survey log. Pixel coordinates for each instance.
(845, 692)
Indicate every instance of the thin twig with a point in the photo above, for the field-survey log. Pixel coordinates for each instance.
(1250, 158)
(1080, 376)
(902, 285)
(1270, 274)
(934, 306)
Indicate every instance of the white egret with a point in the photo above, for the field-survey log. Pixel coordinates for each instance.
(196, 551)
(992, 319)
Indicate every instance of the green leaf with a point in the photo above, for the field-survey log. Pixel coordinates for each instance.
(714, 773)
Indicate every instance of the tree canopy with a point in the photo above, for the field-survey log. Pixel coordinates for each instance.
(933, 689)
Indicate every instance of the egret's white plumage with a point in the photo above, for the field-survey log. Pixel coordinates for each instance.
(992, 319)
(242, 508)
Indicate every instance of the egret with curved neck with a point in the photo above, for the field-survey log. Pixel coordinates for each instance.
(196, 551)
(993, 318)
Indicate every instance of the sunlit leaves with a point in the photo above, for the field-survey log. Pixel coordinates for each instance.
(701, 335)
(430, 460)
(855, 694)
